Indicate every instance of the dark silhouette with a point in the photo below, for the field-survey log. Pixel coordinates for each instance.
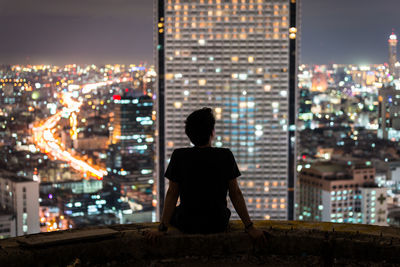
(201, 177)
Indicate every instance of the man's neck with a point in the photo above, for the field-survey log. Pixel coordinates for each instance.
(203, 146)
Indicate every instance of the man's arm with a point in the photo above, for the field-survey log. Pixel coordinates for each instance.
(236, 196)
(169, 206)
(170, 202)
(238, 202)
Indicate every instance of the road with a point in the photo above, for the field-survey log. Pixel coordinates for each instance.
(44, 139)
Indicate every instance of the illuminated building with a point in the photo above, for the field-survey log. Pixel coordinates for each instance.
(389, 111)
(130, 157)
(76, 187)
(341, 192)
(132, 135)
(305, 104)
(20, 196)
(239, 58)
(374, 205)
(319, 82)
(392, 53)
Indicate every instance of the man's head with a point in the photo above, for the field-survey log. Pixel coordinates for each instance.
(199, 126)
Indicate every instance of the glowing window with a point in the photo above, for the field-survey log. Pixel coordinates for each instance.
(275, 104)
(177, 104)
(242, 76)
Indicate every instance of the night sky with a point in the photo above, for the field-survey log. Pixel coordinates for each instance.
(120, 31)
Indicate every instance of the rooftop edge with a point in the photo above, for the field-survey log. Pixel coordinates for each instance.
(293, 241)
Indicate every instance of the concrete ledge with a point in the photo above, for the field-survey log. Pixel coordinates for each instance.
(288, 243)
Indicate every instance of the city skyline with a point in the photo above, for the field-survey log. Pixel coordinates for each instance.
(120, 31)
(313, 142)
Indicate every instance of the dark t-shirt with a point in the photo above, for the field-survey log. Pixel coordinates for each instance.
(202, 175)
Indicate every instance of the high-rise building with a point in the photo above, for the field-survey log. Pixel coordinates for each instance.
(339, 192)
(132, 135)
(389, 111)
(238, 57)
(130, 156)
(392, 53)
(19, 196)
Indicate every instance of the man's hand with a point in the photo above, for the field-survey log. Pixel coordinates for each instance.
(257, 235)
(154, 235)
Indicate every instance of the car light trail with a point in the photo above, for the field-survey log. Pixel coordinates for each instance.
(44, 138)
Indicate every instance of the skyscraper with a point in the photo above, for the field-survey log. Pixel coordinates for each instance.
(238, 57)
(392, 53)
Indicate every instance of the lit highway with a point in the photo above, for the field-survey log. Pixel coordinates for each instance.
(44, 139)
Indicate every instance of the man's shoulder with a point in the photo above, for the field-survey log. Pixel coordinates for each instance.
(219, 150)
(222, 152)
(181, 149)
(225, 150)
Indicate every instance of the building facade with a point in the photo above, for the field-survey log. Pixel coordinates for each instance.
(338, 192)
(20, 197)
(374, 206)
(238, 57)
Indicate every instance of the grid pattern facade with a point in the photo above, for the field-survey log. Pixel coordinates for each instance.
(233, 56)
(347, 196)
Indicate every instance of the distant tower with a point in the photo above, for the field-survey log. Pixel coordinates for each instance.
(392, 53)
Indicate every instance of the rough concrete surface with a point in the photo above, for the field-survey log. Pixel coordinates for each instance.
(289, 243)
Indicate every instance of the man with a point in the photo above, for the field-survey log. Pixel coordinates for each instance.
(201, 176)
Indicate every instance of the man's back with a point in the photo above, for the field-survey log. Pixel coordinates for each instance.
(202, 175)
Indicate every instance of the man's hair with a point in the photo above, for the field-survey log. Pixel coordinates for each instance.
(199, 126)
